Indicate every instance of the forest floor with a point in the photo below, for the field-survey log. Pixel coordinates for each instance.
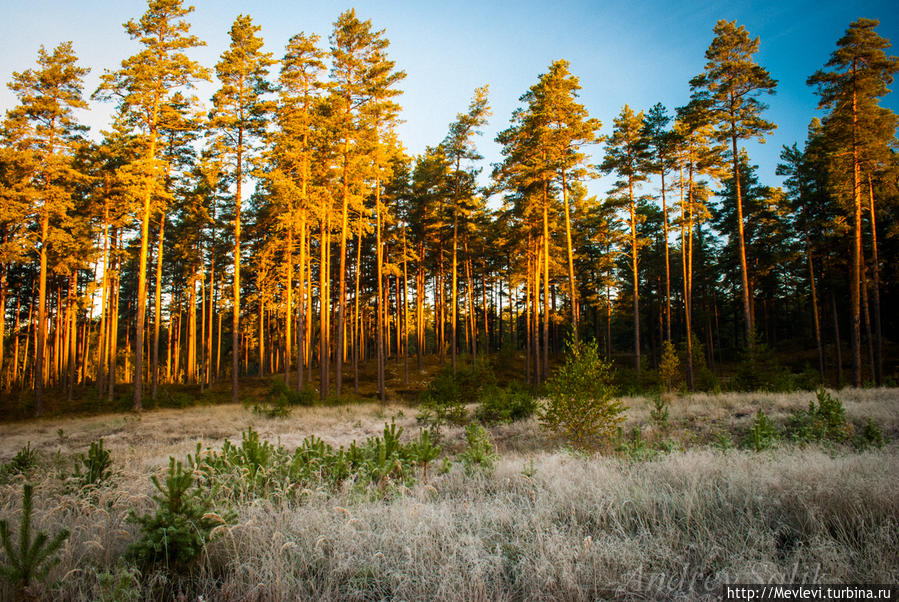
(675, 512)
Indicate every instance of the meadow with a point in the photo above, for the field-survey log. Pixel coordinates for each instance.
(676, 507)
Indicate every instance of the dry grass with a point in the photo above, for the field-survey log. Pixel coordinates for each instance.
(545, 525)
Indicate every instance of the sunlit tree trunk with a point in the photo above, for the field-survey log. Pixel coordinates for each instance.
(811, 271)
(878, 331)
(158, 307)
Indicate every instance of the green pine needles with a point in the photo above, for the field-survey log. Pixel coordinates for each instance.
(180, 528)
(32, 558)
(97, 465)
(581, 407)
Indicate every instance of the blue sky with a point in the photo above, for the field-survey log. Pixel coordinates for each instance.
(639, 52)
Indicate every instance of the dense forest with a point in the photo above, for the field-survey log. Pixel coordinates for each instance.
(281, 229)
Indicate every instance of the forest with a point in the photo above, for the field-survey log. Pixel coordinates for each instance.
(619, 362)
(280, 230)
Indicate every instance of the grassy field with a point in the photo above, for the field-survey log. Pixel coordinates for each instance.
(674, 513)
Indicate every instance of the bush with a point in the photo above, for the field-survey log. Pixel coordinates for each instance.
(281, 399)
(505, 404)
(669, 367)
(96, 465)
(659, 413)
(443, 402)
(180, 528)
(762, 435)
(870, 436)
(32, 558)
(24, 460)
(824, 422)
(703, 378)
(479, 453)
(257, 468)
(580, 407)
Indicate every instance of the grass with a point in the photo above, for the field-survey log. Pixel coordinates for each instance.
(545, 524)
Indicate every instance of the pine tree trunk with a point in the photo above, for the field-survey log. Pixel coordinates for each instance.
(341, 299)
(3, 270)
(472, 319)
(137, 403)
(324, 303)
(420, 307)
(191, 364)
(41, 343)
(527, 305)
(158, 307)
(72, 345)
(288, 302)
(686, 256)
(235, 311)
(811, 271)
(878, 331)
(545, 279)
(634, 261)
(744, 272)
(261, 335)
(14, 378)
(380, 306)
(572, 287)
(115, 294)
(855, 272)
(405, 311)
(357, 324)
(455, 301)
(667, 262)
(301, 306)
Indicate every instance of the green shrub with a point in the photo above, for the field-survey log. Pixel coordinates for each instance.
(580, 407)
(723, 442)
(637, 449)
(24, 460)
(183, 523)
(281, 398)
(425, 450)
(659, 413)
(669, 367)
(762, 435)
(443, 401)
(505, 404)
(31, 558)
(257, 468)
(824, 422)
(122, 585)
(870, 435)
(96, 465)
(479, 452)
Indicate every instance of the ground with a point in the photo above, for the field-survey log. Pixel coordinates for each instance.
(675, 521)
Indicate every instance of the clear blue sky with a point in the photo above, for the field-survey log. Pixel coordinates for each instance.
(638, 52)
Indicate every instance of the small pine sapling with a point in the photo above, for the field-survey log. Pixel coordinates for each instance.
(96, 465)
(33, 558)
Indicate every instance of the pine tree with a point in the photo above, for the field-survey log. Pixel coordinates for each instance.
(45, 128)
(728, 91)
(300, 88)
(626, 154)
(661, 151)
(458, 146)
(239, 119)
(696, 152)
(360, 73)
(144, 86)
(859, 73)
(570, 129)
